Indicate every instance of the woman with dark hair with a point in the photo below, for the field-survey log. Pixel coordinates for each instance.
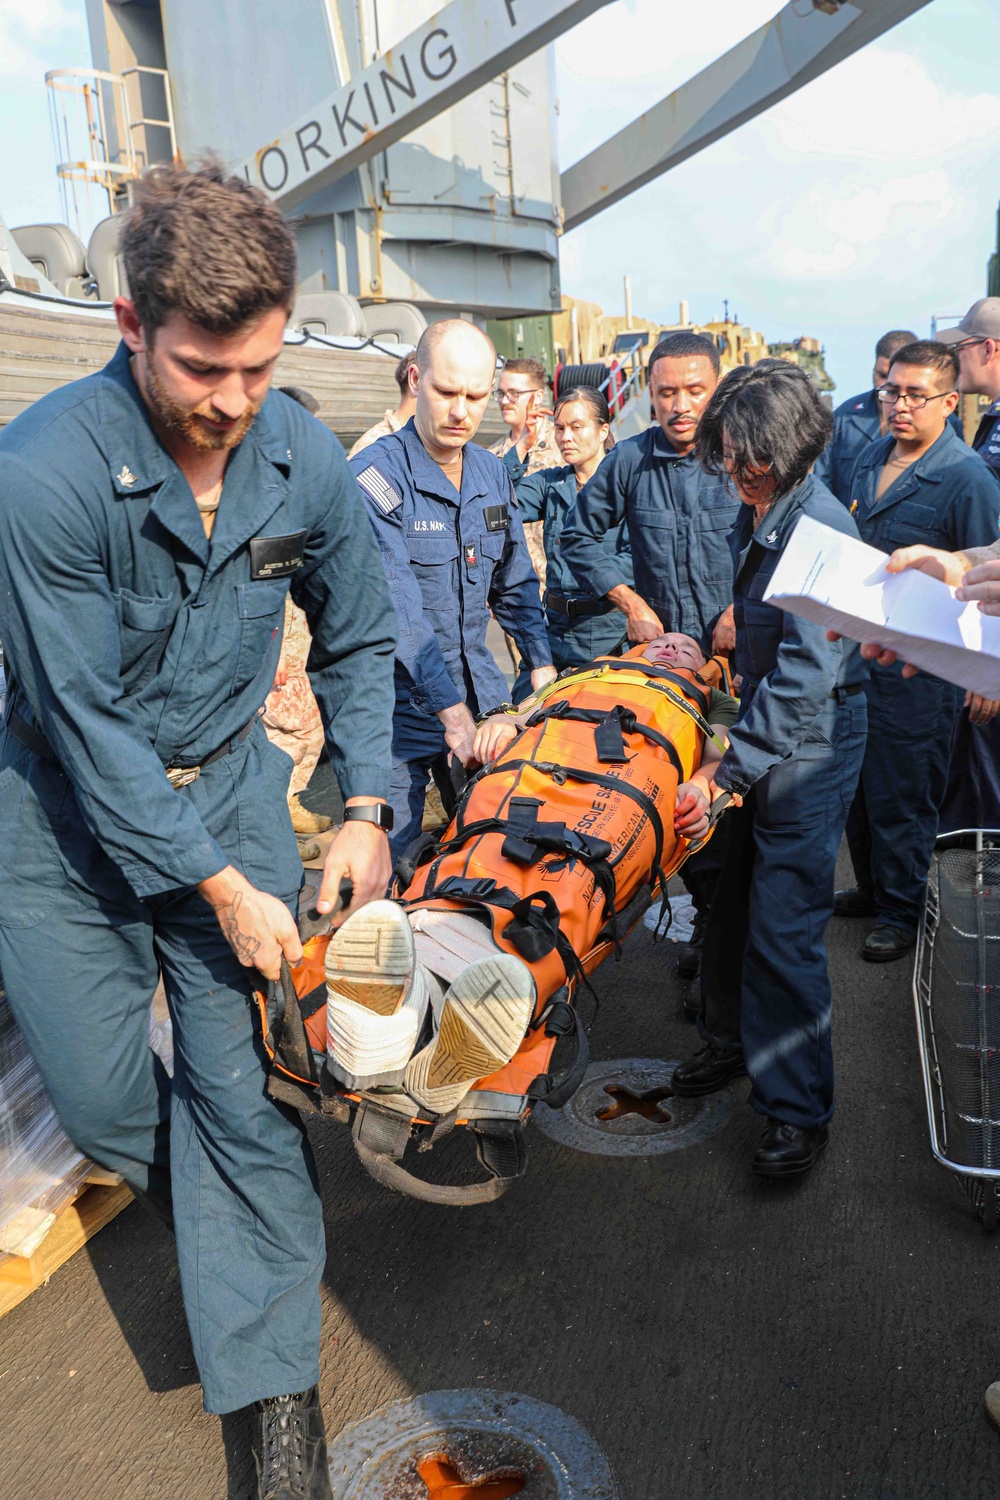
(579, 626)
(793, 761)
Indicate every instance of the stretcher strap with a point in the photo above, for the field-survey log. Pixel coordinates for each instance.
(609, 738)
(651, 669)
(699, 719)
(561, 774)
(527, 838)
(683, 698)
(610, 729)
(534, 929)
(561, 1019)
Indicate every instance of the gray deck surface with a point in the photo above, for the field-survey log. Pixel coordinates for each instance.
(721, 1339)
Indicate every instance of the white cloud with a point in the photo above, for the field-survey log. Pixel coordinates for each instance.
(819, 234)
(628, 55)
(27, 31)
(882, 105)
(864, 201)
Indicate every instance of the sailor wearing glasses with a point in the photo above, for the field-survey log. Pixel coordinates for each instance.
(918, 484)
(861, 419)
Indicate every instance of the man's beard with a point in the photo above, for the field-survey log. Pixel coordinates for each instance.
(177, 419)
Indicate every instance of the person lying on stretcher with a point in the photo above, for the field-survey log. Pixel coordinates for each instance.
(425, 1001)
(670, 650)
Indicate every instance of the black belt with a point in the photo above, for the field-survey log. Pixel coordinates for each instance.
(573, 608)
(178, 776)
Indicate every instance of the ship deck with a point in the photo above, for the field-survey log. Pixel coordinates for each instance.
(719, 1338)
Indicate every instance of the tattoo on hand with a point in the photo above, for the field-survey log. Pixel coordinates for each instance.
(243, 944)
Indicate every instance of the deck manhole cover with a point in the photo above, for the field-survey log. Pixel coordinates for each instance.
(469, 1445)
(625, 1107)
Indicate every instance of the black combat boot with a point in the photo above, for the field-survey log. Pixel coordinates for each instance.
(789, 1150)
(854, 901)
(710, 1068)
(886, 943)
(289, 1448)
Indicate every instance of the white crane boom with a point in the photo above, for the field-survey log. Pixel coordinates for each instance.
(797, 45)
(452, 54)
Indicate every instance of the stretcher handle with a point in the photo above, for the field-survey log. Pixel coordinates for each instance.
(718, 807)
(390, 1174)
(381, 1143)
(313, 923)
(288, 1034)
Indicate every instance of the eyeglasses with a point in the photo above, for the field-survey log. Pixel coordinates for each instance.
(967, 343)
(890, 395)
(505, 398)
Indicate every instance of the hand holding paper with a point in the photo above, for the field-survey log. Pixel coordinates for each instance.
(845, 585)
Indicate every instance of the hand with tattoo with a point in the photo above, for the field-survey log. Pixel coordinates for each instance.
(259, 928)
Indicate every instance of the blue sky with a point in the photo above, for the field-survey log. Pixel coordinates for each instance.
(866, 201)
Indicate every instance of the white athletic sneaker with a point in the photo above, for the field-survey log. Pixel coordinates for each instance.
(376, 997)
(485, 1015)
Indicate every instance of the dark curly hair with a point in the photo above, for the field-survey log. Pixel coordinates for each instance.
(773, 419)
(206, 245)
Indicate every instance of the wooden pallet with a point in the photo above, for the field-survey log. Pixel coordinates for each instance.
(96, 1206)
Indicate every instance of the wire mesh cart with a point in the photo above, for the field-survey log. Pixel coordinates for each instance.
(956, 993)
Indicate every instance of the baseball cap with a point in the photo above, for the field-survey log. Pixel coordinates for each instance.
(982, 321)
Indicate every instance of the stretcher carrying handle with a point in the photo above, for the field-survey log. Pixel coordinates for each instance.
(718, 807)
(288, 1033)
(381, 1139)
(313, 923)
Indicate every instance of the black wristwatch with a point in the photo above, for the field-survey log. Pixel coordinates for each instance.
(379, 813)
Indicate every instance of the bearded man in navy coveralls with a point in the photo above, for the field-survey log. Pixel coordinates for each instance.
(453, 548)
(153, 518)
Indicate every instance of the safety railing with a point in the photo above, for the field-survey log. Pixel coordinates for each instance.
(100, 140)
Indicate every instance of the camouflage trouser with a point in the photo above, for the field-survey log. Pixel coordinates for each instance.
(292, 721)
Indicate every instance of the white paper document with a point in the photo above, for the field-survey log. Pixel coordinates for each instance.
(842, 583)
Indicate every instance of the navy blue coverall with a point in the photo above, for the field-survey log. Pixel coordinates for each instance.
(794, 757)
(678, 519)
(580, 625)
(855, 426)
(947, 499)
(987, 439)
(137, 644)
(449, 559)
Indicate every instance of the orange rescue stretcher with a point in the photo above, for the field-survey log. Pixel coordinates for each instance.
(560, 845)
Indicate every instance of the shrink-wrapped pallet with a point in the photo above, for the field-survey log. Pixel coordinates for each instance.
(40, 1168)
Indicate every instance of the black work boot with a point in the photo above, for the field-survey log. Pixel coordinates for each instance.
(788, 1150)
(854, 901)
(709, 1069)
(289, 1448)
(885, 943)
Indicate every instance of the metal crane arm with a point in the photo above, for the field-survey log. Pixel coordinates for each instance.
(451, 55)
(799, 44)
